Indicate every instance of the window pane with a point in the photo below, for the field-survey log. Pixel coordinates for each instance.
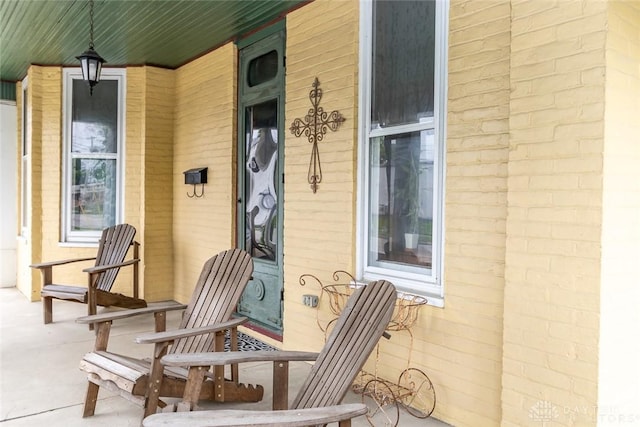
(26, 123)
(26, 137)
(261, 180)
(24, 194)
(403, 62)
(401, 200)
(93, 194)
(94, 117)
(263, 68)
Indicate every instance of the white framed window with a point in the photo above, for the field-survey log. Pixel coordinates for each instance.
(93, 133)
(25, 194)
(403, 89)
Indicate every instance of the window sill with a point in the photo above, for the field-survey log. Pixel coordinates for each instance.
(409, 286)
(434, 301)
(78, 244)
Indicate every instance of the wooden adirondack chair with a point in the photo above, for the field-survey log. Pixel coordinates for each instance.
(112, 250)
(203, 326)
(354, 336)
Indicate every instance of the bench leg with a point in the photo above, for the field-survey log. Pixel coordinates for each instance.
(90, 400)
(47, 307)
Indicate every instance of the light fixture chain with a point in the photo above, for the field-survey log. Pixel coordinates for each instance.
(91, 24)
(90, 61)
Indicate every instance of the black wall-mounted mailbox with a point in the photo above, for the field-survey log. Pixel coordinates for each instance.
(195, 176)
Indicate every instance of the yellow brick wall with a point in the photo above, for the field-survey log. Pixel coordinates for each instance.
(551, 315)
(158, 198)
(619, 371)
(45, 103)
(134, 154)
(460, 345)
(26, 276)
(49, 147)
(148, 175)
(34, 253)
(45, 90)
(45, 93)
(204, 136)
(319, 229)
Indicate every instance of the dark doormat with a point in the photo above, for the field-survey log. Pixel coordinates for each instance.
(247, 343)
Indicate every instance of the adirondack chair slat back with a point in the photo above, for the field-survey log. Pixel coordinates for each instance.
(112, 249)
(356, 333)
(221, 282)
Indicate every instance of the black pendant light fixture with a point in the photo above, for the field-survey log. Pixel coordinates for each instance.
(90, 61)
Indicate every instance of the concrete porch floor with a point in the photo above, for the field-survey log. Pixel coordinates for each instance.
(41, 385)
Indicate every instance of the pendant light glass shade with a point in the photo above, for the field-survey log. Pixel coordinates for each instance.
(91, 64)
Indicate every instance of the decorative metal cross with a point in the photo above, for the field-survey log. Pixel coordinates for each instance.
(315, 124)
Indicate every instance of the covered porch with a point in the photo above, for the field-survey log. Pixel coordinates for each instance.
(533, 291)
(42, 386)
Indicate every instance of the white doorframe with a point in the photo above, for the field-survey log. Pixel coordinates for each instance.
(8, 196)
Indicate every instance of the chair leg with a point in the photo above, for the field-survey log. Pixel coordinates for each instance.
(192, 389)
(233, 333)
(91, 304)
(47, 307)
(155, 380)
(280, 386)
(90, 400)
(152, 398)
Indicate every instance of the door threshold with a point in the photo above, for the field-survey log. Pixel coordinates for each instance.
(264, 331)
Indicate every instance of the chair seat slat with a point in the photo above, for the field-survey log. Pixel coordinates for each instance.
(65, 292)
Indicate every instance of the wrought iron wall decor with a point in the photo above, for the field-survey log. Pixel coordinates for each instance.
(315, 125)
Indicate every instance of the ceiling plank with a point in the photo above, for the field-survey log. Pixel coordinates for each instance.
(167, 33)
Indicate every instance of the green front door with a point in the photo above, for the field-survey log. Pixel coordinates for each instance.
(260, 175)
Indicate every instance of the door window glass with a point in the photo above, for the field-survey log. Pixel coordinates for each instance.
(261, 180)
(263, 68)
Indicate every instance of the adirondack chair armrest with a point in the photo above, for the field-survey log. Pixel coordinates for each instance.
(101, 268)
(156, 337)
(59, 262)
(123, 314)
(239, 418)
(231, 357)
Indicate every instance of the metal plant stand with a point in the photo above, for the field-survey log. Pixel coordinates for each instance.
(413, 390)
